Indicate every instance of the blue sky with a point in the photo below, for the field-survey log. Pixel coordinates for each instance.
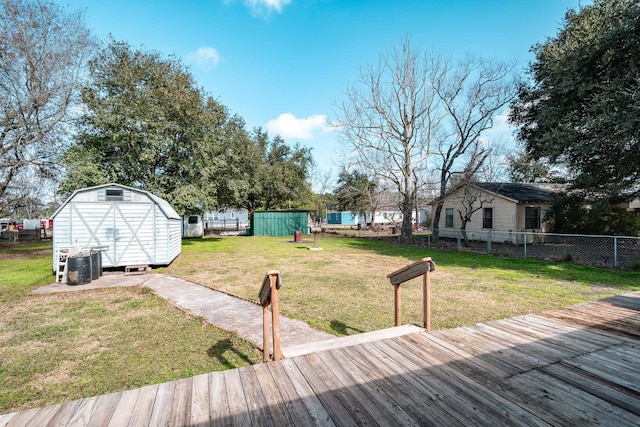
(284, 64)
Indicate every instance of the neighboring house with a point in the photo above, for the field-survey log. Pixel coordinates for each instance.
(631, 204)
(343, 218)
(506, 208)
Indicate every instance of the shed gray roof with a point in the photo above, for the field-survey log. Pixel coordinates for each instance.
(162, 204)
(522, 192)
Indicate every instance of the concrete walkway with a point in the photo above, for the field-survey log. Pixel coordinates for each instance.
(231, 313)
(220, 309)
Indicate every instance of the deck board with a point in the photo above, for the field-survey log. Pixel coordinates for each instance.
(569, 366)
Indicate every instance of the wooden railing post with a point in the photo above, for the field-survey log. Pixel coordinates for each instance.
(269, 297)
(422, 267)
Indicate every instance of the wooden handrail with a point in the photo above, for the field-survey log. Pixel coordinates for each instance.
(422, 267)
(269, 297)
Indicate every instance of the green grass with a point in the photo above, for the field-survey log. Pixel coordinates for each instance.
(343, 289)
(65, 346)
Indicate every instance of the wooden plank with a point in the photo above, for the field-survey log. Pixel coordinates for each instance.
(6, 418)
(200, 401)
(301, 388)
(218, 404)
(43, 415)
(473, 368)
(547, 395)
(555, 339)
(161, 413)
(104, 408)
(456, 352)
(411, 271)
(238, 415)
(384, 411)
(273, 399)
(265, 289)
(491, 406)
(125, 408)
(448, 394)
(22, 418)
(141, 414)
(495, 353)
(606, 368)
(330, 392)
(596, 386)
(578, 333)
(63, 414)
(395, 387)
(84, 414)
(181, 405)
(256, 401)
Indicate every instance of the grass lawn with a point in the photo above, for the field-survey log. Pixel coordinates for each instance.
(343, 289)
(65, 346)
(58, 347)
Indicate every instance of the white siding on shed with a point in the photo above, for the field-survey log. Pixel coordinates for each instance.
(138, 229)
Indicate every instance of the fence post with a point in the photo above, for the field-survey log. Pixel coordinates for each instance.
(489, 242)
(615, 251)
(459, 242)
(525, 244)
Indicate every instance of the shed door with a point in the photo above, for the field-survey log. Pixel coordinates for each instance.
(124, 231)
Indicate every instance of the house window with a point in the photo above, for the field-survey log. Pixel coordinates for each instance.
(487, 218)
(449, 217)
(114, 195)
(531, 218)
(193, 219)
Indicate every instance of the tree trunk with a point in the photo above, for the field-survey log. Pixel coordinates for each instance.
(407, 210)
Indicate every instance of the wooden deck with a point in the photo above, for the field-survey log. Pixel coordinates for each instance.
(574, 366)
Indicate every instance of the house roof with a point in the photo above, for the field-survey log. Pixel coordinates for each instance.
(523, 192)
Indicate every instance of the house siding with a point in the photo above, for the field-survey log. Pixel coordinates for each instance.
(508, 214)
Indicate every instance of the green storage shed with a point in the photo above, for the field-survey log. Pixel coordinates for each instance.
(279, 223)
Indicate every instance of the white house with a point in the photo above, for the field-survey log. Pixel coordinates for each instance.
(506, 208)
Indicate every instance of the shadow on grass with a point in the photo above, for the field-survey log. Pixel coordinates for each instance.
(219, 349)
(591, 275)
(342, 328)
(199, 240)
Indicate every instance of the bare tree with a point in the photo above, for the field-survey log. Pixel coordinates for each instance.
(391, 117)
(43, 51)
(473, 94)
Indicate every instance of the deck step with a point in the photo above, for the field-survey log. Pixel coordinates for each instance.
(339, 342)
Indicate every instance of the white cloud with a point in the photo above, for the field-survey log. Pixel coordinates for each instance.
(289, 126)
(265, 7)
(205, 57)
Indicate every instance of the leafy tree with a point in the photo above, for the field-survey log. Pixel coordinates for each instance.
(43, 54)
(581, 108)
(599, 215)
(356, 192)
(277, 174)
(148, 126)
(523, 167)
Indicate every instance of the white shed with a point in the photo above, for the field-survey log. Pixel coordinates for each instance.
(133, 227)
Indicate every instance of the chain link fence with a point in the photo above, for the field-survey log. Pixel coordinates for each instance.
(605, 251)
